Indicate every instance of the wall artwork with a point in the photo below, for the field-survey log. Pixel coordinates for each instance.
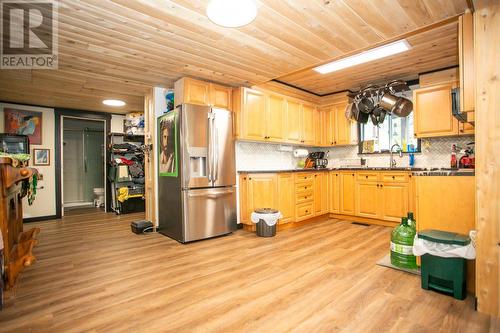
(24, 122)
(41, 156)
(167, 143)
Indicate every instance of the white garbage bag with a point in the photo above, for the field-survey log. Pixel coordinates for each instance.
(423, 246)
(270, 219)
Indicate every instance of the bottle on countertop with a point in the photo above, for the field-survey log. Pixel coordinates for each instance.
(453, 162)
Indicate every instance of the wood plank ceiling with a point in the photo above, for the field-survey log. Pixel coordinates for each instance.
(120, 48)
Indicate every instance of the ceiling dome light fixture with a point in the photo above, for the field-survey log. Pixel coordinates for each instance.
(113, 102)
(231, 13)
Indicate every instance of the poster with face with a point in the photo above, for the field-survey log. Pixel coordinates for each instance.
(167, 145)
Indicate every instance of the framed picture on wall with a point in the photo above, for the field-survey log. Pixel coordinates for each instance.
(167, 143)
(24, 122)
(41, 156)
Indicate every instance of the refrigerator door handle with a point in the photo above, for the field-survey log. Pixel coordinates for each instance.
(215, 175)
(210, 149)
(211, 194)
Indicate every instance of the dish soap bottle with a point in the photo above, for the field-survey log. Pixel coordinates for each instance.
(402, 246)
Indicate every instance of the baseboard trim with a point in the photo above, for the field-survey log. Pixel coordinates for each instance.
(40, 218)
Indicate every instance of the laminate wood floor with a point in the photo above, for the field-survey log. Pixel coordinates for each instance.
(94, 275)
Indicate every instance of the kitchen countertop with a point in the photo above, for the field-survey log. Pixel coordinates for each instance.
(415, 171)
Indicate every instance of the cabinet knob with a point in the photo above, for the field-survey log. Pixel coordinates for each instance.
(305, 187)
(381, 185)
(366, 177)
(249, 178)
(393, 177)
(305, 197)
(244, 178)
(307, 211)
(353, 175)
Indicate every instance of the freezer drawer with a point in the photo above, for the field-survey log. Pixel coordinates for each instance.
(208, 212)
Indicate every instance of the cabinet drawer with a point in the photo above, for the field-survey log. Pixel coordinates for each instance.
(304, 187)
(399, 177)
(305, 211)
(304, 178)
(304, 197)
(367, 176)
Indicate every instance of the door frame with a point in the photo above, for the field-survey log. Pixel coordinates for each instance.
(58, 122)
(62, 156)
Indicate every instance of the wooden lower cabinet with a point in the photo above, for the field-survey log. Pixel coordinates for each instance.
(334, 192)
(376, 195)
(347, 193)
(286, 197)
(394, 202)
(368, 199)
(320, 193)
(257, 191)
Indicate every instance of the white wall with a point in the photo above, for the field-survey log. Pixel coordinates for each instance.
(45, 202)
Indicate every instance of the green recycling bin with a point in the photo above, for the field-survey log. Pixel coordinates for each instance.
(446, 271)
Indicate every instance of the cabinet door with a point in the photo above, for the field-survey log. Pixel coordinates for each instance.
(394, 201)
(276, 118)
(334, 193)
(220, 96)
(196, 92)
(432, 107)
(318, 127)
(330, 126)
(342, 125)
(347, 193)
(262, 188)
(367, 199)
(243, 193)
(307, 128)
(293, 123)
(254, 115)
(286, 197)
(320, 193)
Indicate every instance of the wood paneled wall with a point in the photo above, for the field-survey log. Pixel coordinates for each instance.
(487, 68)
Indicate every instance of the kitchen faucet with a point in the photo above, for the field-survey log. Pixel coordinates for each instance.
(393, 161)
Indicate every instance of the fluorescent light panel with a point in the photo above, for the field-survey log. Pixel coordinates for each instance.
(366, 56)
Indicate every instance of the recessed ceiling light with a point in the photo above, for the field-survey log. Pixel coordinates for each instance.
(366, 56)
(113, 102)
(231, 13)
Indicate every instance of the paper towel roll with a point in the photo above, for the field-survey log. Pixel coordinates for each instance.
(300, 153)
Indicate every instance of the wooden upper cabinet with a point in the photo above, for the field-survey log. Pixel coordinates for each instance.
(432, 107)
(253, 115)
(220, 96)
(466, 62)
(293, 122)
(192, 91)
(342, 125)
(329, 127)
(275, 118)
(307, 125)
(347, 193)
(466, 129)
(318, 127)
(286, 197)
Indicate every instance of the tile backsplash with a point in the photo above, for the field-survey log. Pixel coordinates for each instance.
(264, 156)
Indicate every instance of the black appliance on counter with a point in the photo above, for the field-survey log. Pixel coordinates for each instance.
(316, 160)
(14, 143)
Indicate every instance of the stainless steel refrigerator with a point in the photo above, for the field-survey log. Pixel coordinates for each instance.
(198, 200)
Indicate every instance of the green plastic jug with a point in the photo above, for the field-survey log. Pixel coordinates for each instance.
(411, 221)
(402, 246)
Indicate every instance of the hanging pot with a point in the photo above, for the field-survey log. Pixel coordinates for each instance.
(365, 104)
(403, 107)
(374, 119)
(359, 116)
(381, 117)
(388, 101)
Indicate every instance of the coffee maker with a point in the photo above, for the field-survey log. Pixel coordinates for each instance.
(316, 160)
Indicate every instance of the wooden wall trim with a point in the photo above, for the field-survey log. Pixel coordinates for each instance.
(487, 102)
